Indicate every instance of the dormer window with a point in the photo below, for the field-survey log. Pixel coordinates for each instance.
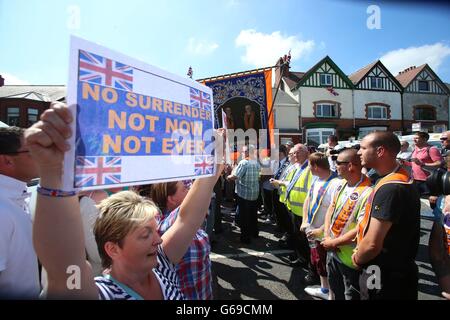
(424, 85)
(325, 79)
(376, 83)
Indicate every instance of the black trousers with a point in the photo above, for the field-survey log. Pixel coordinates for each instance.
(298, 239)
(268, 203)
(282, 214)
(248, 218)
(344, 281)
(395, 285)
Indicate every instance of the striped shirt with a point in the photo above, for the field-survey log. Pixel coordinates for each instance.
(110, 289)
(247, 185)
(194, 269)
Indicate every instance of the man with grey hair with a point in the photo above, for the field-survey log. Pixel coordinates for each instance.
(246, 176)
(294, 189)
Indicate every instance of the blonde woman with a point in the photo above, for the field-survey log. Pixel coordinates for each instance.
(140, 262)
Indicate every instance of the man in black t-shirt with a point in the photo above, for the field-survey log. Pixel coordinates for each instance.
(389, 233)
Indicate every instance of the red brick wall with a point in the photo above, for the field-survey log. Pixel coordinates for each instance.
(23, 105)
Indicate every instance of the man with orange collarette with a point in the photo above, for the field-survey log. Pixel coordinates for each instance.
(388, 235)
(340, 225)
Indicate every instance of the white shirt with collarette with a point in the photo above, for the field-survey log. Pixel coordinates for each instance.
(19, 274)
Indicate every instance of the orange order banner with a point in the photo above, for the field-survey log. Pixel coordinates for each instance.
(269, 103)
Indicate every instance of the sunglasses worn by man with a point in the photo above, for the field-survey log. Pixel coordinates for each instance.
(15, 152)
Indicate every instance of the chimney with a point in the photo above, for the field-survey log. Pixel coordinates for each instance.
(281, 69)
(2, 81)
(407, 69)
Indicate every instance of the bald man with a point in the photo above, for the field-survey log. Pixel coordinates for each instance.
(340, 229)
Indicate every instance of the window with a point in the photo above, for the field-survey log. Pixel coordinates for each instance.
(377, 112)
(424, 85)
(325, 79)
(325, 110)
(316, 137)
(13, 116)
(424, 113)
(32, 116)
(376, 83)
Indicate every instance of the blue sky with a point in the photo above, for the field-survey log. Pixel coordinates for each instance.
(221, 36)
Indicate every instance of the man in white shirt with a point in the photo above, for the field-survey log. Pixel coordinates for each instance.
(319, 199)
(19, 274)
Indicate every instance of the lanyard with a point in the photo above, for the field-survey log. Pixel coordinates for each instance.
(295, 178)
(280, 169)
(312, 212)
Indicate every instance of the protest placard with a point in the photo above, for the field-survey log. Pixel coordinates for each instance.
(135, 123)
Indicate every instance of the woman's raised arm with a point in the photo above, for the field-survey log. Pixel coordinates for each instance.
(57, 231)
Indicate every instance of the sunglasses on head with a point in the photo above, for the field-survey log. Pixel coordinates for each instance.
(443, 139)
(187, 184)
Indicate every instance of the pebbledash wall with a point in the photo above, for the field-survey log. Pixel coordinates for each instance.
(364, 99)
(438, 103)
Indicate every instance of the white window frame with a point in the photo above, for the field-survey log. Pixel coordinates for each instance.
(323, 134)
(328, 77)
(377, 81)
(34, 112)
(370, 112)
(331, 105)
(10, 115)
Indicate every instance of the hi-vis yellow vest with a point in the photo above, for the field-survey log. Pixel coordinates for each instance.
(288, 177)
(346, 211)
(299, 192)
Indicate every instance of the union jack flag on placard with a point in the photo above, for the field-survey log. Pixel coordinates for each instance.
(106, 72)
(200, 99)
(92, 171)
(204, 165)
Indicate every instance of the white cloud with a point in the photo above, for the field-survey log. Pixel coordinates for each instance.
(12, 80)
(199, 47)
(263, 50)
(400, 59)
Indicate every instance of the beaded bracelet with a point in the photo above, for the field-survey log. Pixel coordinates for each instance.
(55, 192)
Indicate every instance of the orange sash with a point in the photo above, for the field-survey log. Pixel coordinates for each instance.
(400, 176)
(347, 208)
(447, 237)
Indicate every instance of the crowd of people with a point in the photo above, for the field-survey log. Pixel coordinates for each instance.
(351, 218)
